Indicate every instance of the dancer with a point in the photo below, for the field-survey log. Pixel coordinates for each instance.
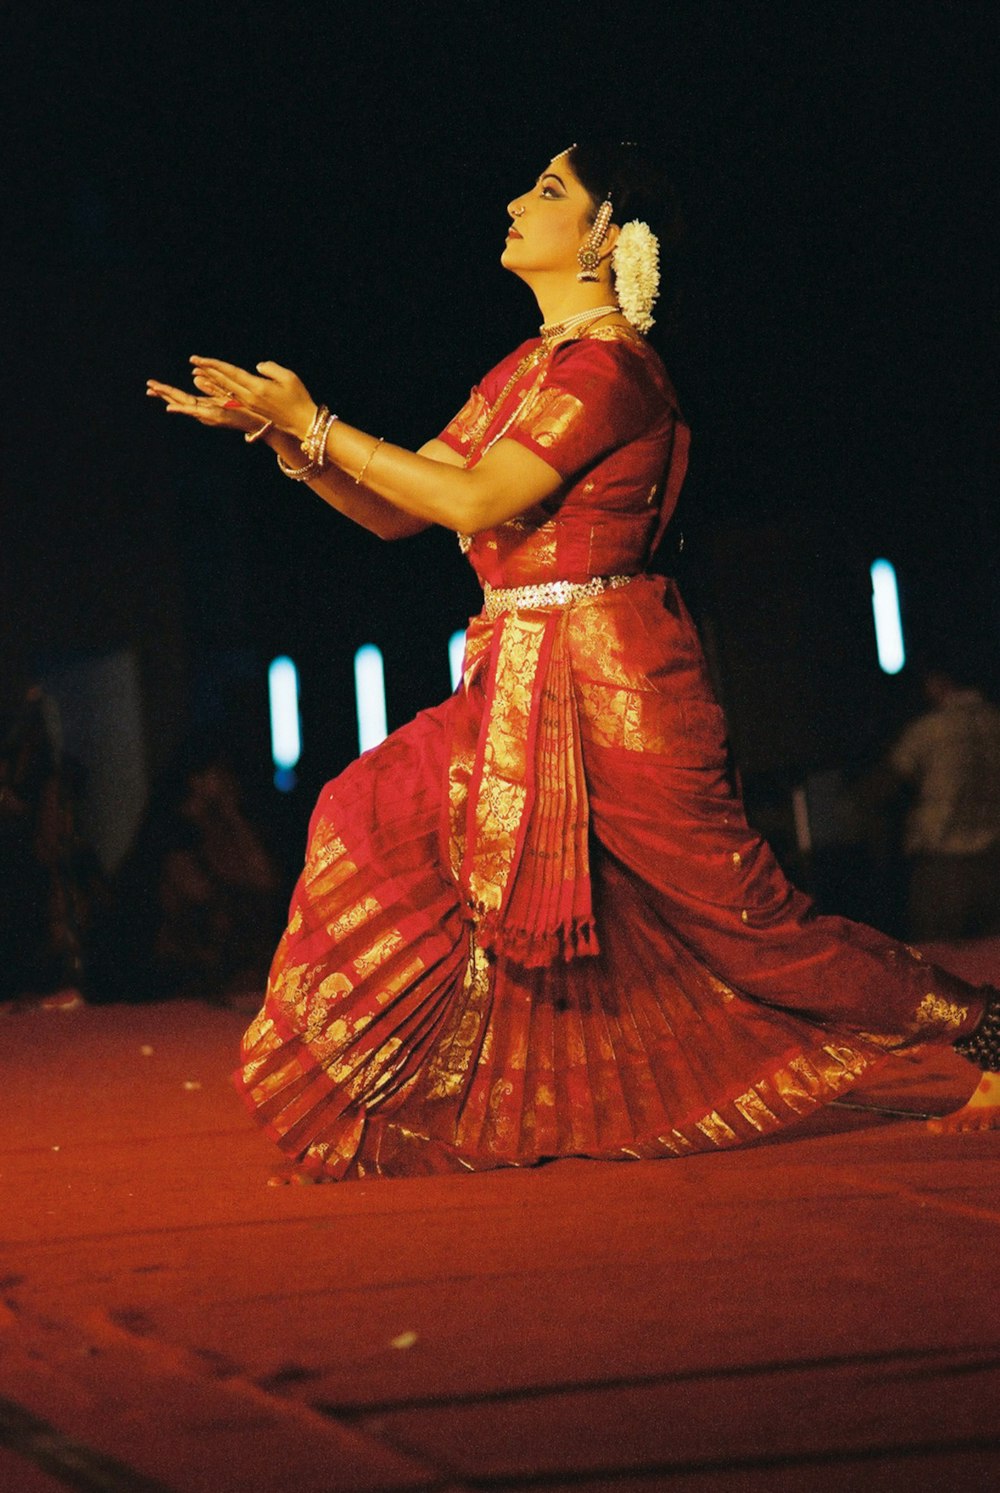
(535, 922)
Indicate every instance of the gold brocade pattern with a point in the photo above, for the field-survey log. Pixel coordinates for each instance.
(643, 721)
(753, 1109)
(328, 859)
(845, 1064)
(550, 416)
(326, 849)
(493, 423)
(330, 993)
(470, 416)
(933, 1016)
(714, 1127)
(615, 717)
(540, 539)
(353, 917)
(477, 427)
(502, 791)
(372, 959)
(458, 1048)
(460, 767)
(597, 634)
(615, 333)
(796, 1085)
(525, 870)
(886, 1041)
(461, 760)
(941, 1014)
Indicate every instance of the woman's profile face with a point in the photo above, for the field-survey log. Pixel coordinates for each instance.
(549, 223)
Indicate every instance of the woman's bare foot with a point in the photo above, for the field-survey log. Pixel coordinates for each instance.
(981, 1112)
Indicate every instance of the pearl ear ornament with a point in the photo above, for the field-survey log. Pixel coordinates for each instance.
(588, 253)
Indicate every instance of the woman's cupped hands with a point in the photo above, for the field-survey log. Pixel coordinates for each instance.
(231, 398)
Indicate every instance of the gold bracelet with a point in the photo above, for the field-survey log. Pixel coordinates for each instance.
(313, 446)
(298, 474)
(371, 457)
(254, 435)
(309, 439)
(317, 447)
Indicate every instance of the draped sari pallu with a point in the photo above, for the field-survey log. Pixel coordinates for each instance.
(516, 814)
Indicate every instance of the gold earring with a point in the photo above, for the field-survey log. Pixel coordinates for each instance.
(588, 253)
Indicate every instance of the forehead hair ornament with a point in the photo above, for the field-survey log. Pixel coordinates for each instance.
(588, 253)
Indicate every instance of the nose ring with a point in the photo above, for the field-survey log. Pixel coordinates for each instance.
(516, 212)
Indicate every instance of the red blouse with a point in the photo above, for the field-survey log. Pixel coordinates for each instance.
(602, 412)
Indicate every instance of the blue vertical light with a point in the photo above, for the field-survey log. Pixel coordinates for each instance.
(888, 621)
(369, 689)
(286, 736)
(456, 654)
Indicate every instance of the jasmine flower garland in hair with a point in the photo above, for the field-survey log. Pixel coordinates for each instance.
(636, 265)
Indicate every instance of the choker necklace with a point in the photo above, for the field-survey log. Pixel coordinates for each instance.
(553, 330)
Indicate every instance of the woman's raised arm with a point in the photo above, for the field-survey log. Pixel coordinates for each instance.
(400, 494)
(356, 501)
(428, 486)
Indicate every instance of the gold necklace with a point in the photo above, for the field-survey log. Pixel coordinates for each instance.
(551, 331)
(537, 356)
(550, 334)
(482, 425)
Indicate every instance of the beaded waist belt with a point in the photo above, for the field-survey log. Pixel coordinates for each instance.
(498, 599)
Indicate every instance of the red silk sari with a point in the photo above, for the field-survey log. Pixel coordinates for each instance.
(534, 922)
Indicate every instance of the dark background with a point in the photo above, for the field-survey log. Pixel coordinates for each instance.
(325, 184)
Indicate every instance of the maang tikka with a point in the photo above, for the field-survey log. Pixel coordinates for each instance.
(588, 253)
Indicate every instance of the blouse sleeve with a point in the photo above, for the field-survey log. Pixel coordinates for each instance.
(596, 396)
(458, 432)
(461, 430)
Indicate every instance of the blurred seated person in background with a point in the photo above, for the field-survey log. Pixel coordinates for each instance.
(50, 877)
(216, 893)
(950, 760)
(198, 896)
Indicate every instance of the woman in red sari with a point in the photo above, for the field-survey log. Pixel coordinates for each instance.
(534, 922)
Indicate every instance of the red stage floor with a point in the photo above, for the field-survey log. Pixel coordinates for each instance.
(816, 1313)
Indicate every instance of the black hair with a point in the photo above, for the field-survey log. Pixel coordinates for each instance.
(638, 188)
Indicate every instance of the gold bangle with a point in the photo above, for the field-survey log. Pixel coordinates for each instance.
(313, 445)
(306, 445)
(254, 435)
(371, 457)
(298, 474)
(317, 447)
